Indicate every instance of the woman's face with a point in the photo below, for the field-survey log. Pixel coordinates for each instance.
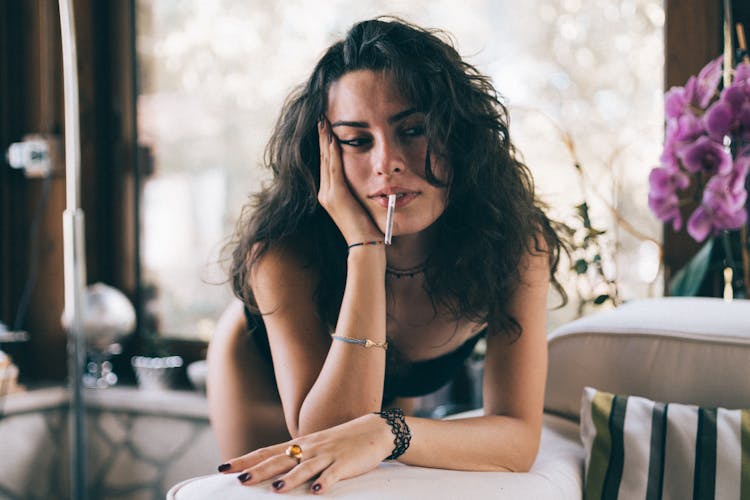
(383, 148)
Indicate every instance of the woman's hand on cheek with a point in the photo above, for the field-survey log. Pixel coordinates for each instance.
(335, 195)
(328, 456)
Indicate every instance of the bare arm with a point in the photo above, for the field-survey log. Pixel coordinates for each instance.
(323, 383)
(506, 438)
(243, 404)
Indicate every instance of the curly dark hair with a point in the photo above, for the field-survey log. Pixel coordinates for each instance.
(491, 220)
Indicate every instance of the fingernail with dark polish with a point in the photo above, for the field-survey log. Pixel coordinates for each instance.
(245, 476)
(316, 487)
(278, 484)
(224, 467)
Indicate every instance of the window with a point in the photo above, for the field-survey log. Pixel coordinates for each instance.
(213, 75)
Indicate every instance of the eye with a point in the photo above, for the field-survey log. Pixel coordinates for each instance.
(415, 131)
(357, 142)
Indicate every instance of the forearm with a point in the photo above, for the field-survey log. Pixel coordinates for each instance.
(487, 443)
(350, 383)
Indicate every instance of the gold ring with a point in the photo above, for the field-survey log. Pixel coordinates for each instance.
(295, 452)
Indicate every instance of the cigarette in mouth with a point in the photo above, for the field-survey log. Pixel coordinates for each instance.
(389, 218)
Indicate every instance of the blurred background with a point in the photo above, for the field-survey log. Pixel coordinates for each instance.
(178, 98)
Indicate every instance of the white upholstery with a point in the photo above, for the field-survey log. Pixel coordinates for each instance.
(556, 475)
(691, 350)
(679, 349)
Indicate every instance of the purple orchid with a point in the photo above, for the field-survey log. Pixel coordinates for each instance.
(719, 119)
(736, 94)
(703, 149)
(676, 100)
(705, 155)
(723, 204)
(707, 82)
(680, 132)
(743, 119)
(720, 209)
(699, 224)
(686, 128)
(742, 72)
(662, 197)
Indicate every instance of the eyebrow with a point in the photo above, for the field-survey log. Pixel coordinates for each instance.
(393, 119)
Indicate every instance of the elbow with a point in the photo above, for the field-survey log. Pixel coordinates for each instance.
(305, 426)
(294, 432)
(519, 461)
(525, 461)
(524, 458)
(520, 455)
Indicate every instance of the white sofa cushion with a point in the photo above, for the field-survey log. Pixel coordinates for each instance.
(557, 474)
(677, 349)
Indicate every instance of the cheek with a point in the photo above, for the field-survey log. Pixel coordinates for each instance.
(356, 175)
(414, 154)
(440, 170)
(441, 201)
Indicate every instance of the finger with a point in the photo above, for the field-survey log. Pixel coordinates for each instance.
(306, 470)
(324, 153)
(330, 476)
(337, 176)
(249, 460)
(322, 135)
(334, 159)
(277, 464)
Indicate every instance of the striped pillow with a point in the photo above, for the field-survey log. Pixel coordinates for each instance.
(641, 449)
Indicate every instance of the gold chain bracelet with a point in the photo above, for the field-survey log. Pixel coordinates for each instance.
(366, 343)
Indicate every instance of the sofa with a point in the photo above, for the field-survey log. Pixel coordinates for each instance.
(692, 353)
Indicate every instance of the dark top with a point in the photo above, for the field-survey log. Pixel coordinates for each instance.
(402, 378)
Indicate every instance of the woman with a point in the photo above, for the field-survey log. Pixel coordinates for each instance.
(351, 325)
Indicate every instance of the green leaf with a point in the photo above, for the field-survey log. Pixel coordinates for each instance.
(583, 213)
(687, 281)
(601, 299)
(581, 266)
(566, 229)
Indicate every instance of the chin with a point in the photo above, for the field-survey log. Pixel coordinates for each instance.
(411, 229)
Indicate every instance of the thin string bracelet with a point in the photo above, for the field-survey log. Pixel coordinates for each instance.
(364, 243)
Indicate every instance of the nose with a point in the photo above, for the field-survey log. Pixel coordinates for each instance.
(389, 159)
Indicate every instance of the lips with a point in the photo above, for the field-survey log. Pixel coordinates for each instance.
(403, 196)
(397, 190)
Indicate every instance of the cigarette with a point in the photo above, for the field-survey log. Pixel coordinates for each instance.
(389, 218)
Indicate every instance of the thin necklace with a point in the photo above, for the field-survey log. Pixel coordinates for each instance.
(405, 273)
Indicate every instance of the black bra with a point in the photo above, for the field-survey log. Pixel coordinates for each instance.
(402, 378)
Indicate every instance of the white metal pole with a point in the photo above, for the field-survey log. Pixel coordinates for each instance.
(74, 255)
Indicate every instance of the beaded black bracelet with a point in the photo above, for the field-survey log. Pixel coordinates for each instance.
(401, 432)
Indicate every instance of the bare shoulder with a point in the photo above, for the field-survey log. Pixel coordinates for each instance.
(280, 272)
(534, 267)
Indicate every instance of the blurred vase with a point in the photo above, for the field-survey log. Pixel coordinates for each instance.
(108, 317)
